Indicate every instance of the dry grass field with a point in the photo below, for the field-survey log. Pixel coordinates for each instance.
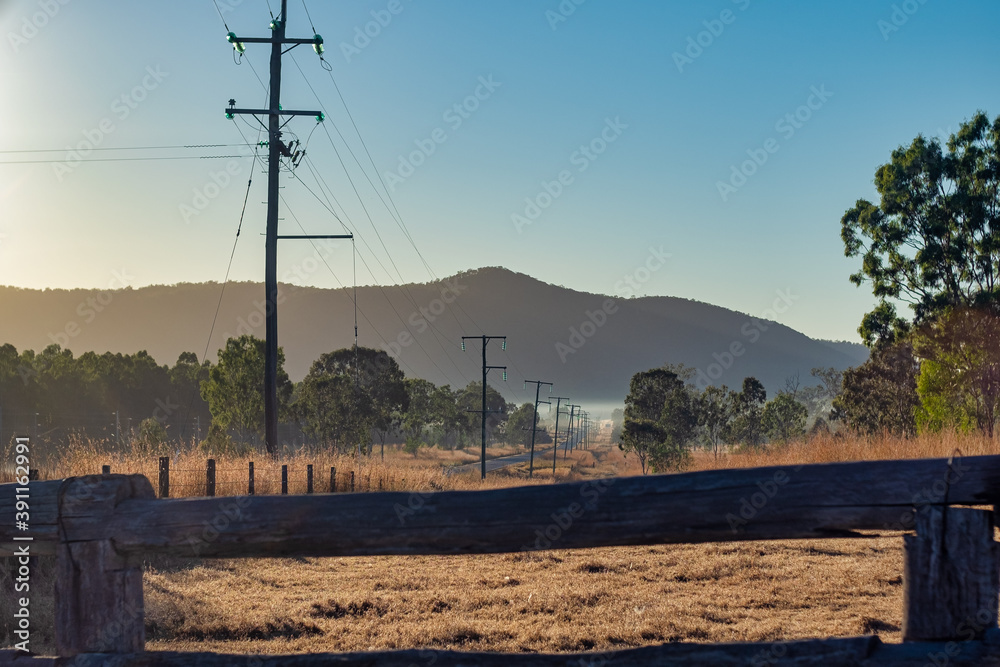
(543, 601)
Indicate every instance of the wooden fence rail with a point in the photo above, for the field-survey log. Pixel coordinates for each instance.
(101, 526)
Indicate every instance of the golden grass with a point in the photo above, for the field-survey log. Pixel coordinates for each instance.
(548, 601)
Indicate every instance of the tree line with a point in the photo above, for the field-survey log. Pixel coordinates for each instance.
(666, 415)
(352, 399)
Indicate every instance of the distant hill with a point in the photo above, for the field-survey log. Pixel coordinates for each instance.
(589, 345)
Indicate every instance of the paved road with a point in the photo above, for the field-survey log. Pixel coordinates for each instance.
(541, 457)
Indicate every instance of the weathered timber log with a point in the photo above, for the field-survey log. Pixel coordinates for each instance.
(815, 501)
(98, 593)
(43, 512)
(717, 506)
(860, 651)
(951, 574)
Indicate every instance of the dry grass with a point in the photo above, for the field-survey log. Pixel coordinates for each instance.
(548, 601)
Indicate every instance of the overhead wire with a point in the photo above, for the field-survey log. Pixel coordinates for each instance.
(353, 296)
(393, 210)
(121, 148)
(381, 288)
(126, 159)
(402, 283)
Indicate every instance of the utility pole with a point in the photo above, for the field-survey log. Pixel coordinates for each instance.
(276, 150)
(534, 424)
(486, 369)
(555, 435)
(569, 431)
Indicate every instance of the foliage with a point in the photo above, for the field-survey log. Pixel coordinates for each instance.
(617, 421)
(152, 435)
(784, 418)
(234, 389)
(517, 430)
(881, 394)
(715, 411)
(219, 443)
(959, 383)
(747, 426)
(660, 418)
(933, 241)
(65, 394)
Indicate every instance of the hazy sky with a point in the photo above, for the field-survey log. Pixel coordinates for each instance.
(619, 119)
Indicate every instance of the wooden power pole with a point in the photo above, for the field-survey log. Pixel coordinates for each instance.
(276, 150)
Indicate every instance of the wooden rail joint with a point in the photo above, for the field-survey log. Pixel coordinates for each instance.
(98, 592)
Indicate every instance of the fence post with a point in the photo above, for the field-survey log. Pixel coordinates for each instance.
(352, 481)
(309, 478)
(164, 476)
(333, 479)
(951, 575)
(210, 478)
(98, 592)
(105, 469)
(250, 480)
(284, 480)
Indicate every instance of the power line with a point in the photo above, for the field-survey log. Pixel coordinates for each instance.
(127, 159)
(123, 148)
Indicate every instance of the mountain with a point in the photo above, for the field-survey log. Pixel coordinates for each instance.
(588, 345)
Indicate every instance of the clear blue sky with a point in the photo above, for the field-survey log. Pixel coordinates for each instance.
(886, 71)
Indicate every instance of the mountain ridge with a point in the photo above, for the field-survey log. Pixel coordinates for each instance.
(588, 344)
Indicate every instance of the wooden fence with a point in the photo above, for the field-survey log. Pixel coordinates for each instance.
(100, 526)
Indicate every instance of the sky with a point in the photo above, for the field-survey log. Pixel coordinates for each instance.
(704, 150)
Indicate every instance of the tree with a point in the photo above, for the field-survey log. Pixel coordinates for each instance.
(380, 398)
(420, 411)
(660, 419)
(959, 383)
(881, 394)
(715, 412)
(678, 422)
(641, 437)
(469, 404)
(234, 389)
(933, 241)
(333, 411)
(519, 424)
(748, 410)
(617, 421)
(784, 418)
